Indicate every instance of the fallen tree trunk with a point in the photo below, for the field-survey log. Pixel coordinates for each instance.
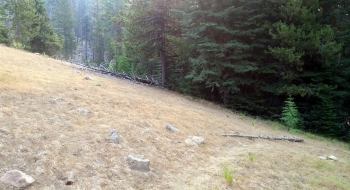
(293, 139)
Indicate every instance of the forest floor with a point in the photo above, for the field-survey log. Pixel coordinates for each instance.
(44, 134)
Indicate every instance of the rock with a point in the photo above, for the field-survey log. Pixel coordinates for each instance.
(69, 178)
(83, 111)
(331, 157)
(194, 141)
(115, 138)
(138, 164)
(17, 178)
(172, 128)
(88, 78)
(57, 143)
(322, 157)
(55, 100)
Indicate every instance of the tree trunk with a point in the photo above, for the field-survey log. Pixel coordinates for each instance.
(163, 51)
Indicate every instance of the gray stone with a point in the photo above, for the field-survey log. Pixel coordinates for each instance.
(55, 100)
(17, 178)
(69, 178)
(138, 164)
(88, 78)
(115, 138)
(322, 157)
(194, 141)
(57, 143)
(331, 157)
(83, 111)
(172, 128)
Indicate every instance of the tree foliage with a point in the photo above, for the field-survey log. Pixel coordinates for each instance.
(290, 114)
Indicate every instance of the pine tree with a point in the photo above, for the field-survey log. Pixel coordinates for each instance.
(228, 42)
(4, 31)
(304, 52)
(63, 22)
(149, 25)
(24, 21)
(46, 41)
(290, 114)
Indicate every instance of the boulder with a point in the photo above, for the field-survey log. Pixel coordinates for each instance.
(17, 178)
(138, 164)
(322, 157)
(172, 128)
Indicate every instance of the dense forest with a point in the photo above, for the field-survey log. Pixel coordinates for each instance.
(286, 60)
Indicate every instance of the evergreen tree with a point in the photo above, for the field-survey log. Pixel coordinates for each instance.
(63, 22)
(149, 26)
(290, 114)
(228, 42)
(46, 41)
(4, 31)
(24, 21)
(304, 52)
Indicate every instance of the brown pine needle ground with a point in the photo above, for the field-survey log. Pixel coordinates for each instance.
(52, 141)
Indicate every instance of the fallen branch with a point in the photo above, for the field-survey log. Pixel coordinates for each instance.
(293, 139)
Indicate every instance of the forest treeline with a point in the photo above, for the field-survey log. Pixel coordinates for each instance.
(257, 56)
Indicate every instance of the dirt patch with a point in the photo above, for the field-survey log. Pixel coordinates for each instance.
(44, 134)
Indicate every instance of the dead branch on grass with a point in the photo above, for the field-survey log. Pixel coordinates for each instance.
(293, 139)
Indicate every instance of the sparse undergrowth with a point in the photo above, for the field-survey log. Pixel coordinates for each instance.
(228, 173)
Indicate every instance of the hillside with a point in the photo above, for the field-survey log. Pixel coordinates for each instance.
(45, 133)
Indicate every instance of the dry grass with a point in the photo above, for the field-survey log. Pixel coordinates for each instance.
(51, 141)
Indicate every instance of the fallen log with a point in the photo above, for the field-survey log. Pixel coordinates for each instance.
(293, 139)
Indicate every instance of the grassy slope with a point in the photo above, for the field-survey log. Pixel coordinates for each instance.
(52, 141)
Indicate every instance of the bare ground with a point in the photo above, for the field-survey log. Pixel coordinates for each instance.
(43, 134)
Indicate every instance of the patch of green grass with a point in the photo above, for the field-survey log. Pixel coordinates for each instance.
(242, 116)
(251, 157)
(320, 165)
(311, 136)
(98, 84)
(228, 173)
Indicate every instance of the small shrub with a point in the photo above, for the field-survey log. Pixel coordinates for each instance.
(18, 45)
(290, 114)
(124, 65)
(251, 157)
(228, 174)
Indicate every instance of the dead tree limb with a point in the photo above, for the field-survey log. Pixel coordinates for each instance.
(293, 139)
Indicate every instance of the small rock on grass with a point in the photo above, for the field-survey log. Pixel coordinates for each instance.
(194, 141)
(138, 164)
(88, 78)
(331, 157)
(55, 100)
(17, 178)
(172, 128)
(115, 138)
(83, 111)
